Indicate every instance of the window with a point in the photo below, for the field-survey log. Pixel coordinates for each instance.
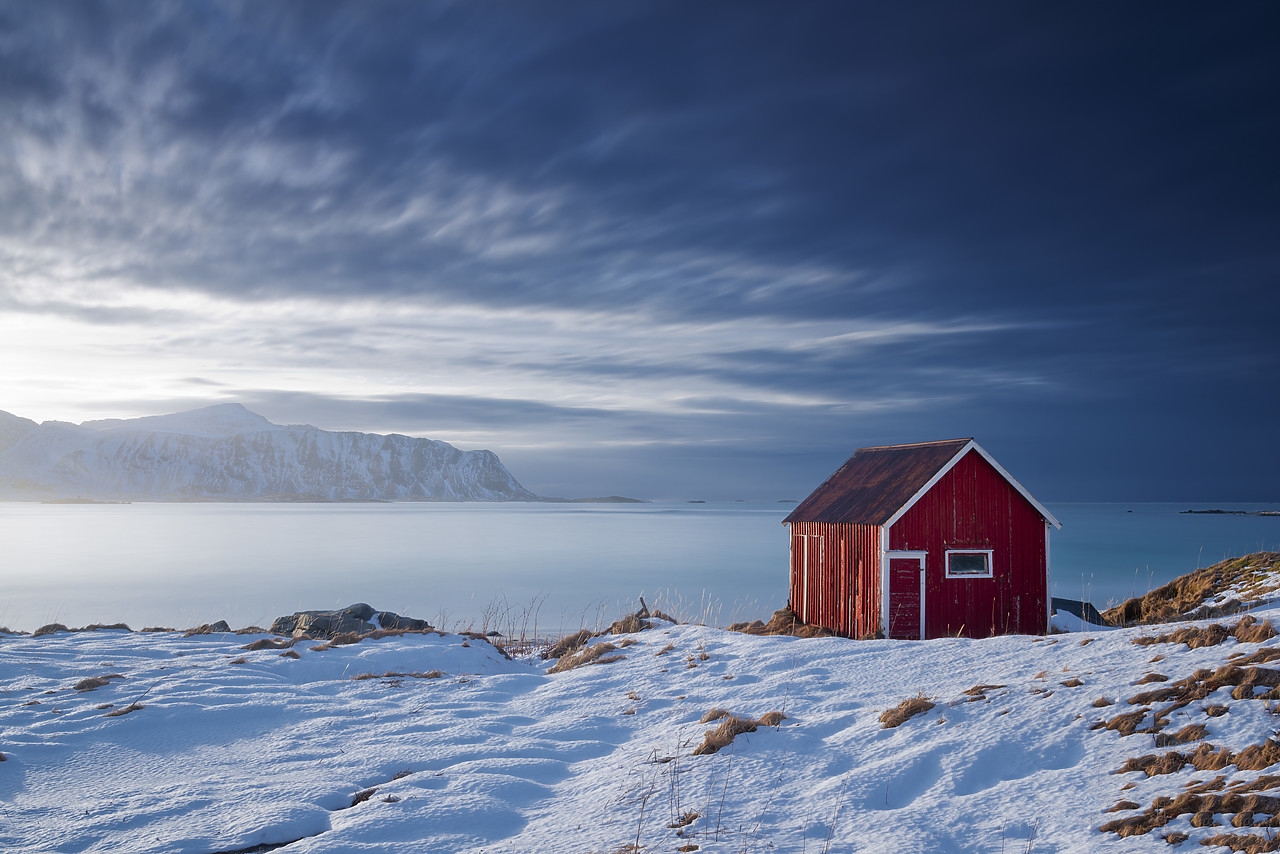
(968, 563)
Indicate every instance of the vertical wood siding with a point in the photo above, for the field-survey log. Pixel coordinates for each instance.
(972, 506)
(835, 576)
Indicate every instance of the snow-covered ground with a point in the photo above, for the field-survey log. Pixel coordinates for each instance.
(228, 749)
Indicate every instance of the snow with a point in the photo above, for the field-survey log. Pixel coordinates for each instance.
(234, 748)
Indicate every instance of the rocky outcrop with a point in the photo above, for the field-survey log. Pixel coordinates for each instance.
(357, 619)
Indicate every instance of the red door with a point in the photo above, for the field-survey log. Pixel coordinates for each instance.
(905, 614)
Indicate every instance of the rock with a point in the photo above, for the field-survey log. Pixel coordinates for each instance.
(356, 619)
(390, 620)
(209, 628)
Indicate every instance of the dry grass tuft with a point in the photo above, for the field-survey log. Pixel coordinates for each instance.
(49, 629)
(666, 649)
(685, 819)
(731, 726)
(568, 644)
(904, 711)
(290, 654)
(362, 796)
(1186, 735)
(595, 654)
(1103, 702)
(1207, 757)
(95, 682)
(1151, 677)
(1247, 843)
(1185, 597)
(1202, 808)
(773, 719)
(723, 735)
(1071, 683)
(132, 707)
(1194, 637)
(783, 622)
(979, 692)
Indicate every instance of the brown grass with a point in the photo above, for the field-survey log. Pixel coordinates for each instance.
(594, 654)
(1184, 597)
(1248, 843)
(290, 654)
(1202, 807)
(1186, 735)
(773, 719)
(722, 736)
(783, 622)
(49, 629)
(731, 726)
(1248, 630)
(904, 711)
(132, 707)
(1207, 757)
(1103, 702)
(1151, 677)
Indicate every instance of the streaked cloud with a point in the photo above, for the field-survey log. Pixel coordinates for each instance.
(631, 229)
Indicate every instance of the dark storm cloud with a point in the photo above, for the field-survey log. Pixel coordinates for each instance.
(1091, 186)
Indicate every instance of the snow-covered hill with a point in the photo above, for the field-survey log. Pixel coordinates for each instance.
(226, 452)
(1108, 740)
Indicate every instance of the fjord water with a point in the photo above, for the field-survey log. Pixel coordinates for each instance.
(460, 565)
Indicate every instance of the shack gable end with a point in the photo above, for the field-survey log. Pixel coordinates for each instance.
(974, 507)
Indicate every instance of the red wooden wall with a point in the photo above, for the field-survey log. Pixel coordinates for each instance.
(972, 506)
(840, 564)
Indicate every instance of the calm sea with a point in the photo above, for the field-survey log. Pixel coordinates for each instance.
(503, 566)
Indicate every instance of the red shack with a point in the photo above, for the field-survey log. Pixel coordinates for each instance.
(921, 541)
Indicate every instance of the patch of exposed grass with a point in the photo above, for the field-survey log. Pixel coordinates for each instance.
(1244, 809)
(731, 726)
(594, 654)
(432, 674)
(1248, 630)
(783, 622)
(904, 711)
(1186, 597)
(49, 629)
(1249, 843)
(132, 707)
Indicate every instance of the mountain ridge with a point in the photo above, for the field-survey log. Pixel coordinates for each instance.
(226, 452)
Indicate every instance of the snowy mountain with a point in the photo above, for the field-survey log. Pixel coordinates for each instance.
(226, 452)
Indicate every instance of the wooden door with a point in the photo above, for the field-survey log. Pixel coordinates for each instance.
(906, 605)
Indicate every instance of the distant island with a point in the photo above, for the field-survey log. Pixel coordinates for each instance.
(228, 453)
(1235, 512)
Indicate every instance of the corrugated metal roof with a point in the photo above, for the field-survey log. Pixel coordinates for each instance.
(876, 482)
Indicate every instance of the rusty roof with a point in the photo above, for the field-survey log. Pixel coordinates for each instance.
(876, 483)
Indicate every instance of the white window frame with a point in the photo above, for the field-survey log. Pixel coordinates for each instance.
(989, 553)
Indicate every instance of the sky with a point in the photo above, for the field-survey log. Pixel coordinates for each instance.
(661, 249)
